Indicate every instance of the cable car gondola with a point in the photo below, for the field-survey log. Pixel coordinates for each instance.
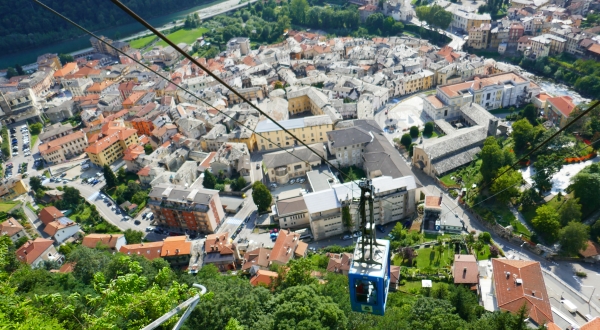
(369, 274)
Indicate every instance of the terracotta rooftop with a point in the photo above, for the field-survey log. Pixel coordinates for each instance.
(92, 240)
(594, 324)
(519, 282)
(564, 104)
(133, 152)
(435, 101)
(465, 269)
(66, 69)
(56, 144)
(99, 87)
(595, 48)
(339, 263)
(453, 90)
(55, 226)
(592, 249)
(133, 98)
(263, 277)
(49, 214)
(176, 246)
(149, 250)
(286, 245)
(33, 249)
(433, 201)
(257, 257)
(144, 171)
(218, 243)
(10, 227)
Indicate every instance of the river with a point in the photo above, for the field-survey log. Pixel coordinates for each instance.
(72, 45)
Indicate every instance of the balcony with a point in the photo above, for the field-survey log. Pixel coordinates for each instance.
(281, 171)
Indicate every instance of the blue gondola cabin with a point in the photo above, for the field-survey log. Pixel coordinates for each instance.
(369, 283)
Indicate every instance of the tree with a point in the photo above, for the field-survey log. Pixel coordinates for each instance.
(148, 149)
(545, 167)
(133, 236)
(428, 130)
(492, 159)
(19, 69)
(569, 211)
(109, 176)
(233, 324)
(65, 58)
(283, 23)
(261, 196)
(121, 175)
(522, 133)
(573, 237)
(530, 112)
(351, 176)
(414, 132)
(36, 128)
(278, 85)
(238, 184)
(507, 186)
(586, 187)
(347, 217)
(485, 237)
(298, 11)
(441, 18)
(406, 140)
(494, 252)
(36, 183)
(210, 180)
(139, 197)
(546, 222)
(11, 72)
(301, 307)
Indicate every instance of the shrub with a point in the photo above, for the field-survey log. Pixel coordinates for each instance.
(486, 237)
(581, 274)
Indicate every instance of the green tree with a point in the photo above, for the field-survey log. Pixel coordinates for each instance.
(36, 183)
(301, 307)
(139, 197)
(36, 128)
(66, 58)
(109, 176)
(121, 175)
(233, 324)
(441, 18)
(210, 180)
(430, 313)
(531, 113)
(406, 140)
(278, 85)
(522, 134)
(546, 222)
(19, 69)
(351, 176)
(573, 237)
(414, 132)
(492, 159)
(298, 10)
(545, 167)
(239, 183)
(148, 149)
(507, 185)
(261, 196)
(11, 72)
(586, 187)
(133, 236)
(569, 211)
(283, 23)
(485, 237)
(347, 217)
(428, 130)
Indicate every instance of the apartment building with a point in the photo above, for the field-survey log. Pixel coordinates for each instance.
(394, 199)
(191, 209)
(292, 213)
(558, 109)
(491, 92)
(250, 93)
(465, 20)
(77, 86)
(547, 44)
(309, 99)
(101, 47)
(110, 147)
(63, 148)
(309, 129)
(479, 36)
(281, 166)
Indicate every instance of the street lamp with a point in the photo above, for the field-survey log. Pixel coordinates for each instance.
(589, 286)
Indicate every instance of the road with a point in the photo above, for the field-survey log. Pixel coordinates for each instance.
(457, 41)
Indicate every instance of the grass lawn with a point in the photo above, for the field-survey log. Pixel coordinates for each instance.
(432, 237)
(447, 179)
(484, 254)
(501, 213)
(428, 257)
(360, 173)
(34, 138)
(520, 228)
(83, 215)
(183, 35)
(142, 42)
(7, 206)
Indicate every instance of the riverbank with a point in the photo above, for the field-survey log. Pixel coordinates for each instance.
(128, 32)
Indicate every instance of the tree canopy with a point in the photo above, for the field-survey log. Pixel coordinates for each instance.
(573, 237)
(261, 196)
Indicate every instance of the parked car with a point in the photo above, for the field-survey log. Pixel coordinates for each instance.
(292, 181)
(312, 248)
(137, 222)
(149, 229)
(346, 237)
(357, 234)
(380, 228)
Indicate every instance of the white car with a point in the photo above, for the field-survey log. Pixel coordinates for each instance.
(149, 229)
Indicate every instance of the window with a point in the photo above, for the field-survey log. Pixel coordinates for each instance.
(366, 291)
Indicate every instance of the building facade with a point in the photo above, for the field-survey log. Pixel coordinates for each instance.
(63, 148)
(310, 129)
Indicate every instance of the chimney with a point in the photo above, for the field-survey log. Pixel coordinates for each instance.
(465, 270)
(176, 251)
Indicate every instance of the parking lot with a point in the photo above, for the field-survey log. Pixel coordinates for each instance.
(278, 189)
(20, 151)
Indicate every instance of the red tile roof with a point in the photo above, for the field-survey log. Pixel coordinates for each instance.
(465, 269)
(55, 226)
(218, 243)
(144, 171)
(511, 295)
(595, 48)
(49, 214)
(56, 144)
(33, 249)
(564, 104)
(258, 257)
(433, 201)
(286, 245)
(176, 246)
(10, 227)
(263, 277)
(133, 152)
(592, 249)
(149, 250)
(92, 240)
(339, 263)
(594, 324)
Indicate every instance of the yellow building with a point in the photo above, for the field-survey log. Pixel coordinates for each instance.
(418, 81)
(110, 147)
(310, 99)
(479, 36)
(309, 129)
(251, 93)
